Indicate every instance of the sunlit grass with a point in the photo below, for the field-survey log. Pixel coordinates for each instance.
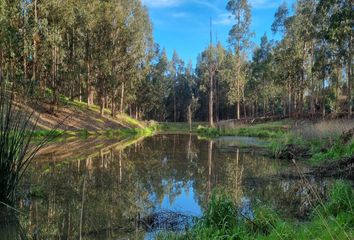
(265, 130)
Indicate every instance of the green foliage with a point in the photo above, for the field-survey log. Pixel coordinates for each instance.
(336, 152)
(341, 200)
(45, 133)
(332, 220)
(269, 130)
(179, 127)
(221, 212)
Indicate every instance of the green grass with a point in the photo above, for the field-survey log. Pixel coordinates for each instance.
(336, 152)
(333, 219)
(265, 130)
(127, 133)
(319, 151)
(180, 127)
(44, 133)
(111, 133)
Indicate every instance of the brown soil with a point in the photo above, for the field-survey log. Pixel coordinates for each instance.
(71, 118)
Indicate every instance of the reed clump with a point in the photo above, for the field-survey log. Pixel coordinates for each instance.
(16, 151)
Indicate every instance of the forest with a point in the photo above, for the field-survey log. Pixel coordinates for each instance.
(103, 53)
(105, 133)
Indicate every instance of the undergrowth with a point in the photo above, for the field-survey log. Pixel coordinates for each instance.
(333, 219)
(264, 130)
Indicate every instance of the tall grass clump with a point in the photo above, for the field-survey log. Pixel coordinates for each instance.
(331, 219)
(323, 130)
(16, 131)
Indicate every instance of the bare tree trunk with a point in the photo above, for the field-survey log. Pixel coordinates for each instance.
(349, 76)
(89, 89)
(264, 107)
(339, 78)
(289, 99)
(174, 103)
(302, 83)
(1, 59)
(54, 79)
(244, 109)
(102, 104)
(211, 92)
(24, 44)
(190, 117)
(122, 99)
(113, 105)
(217, 100)
(34, 70)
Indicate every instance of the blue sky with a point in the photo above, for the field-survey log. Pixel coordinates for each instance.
(183, 25)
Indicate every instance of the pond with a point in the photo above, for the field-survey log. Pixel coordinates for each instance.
(103, 189)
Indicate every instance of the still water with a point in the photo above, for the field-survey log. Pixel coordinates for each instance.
(101, 189)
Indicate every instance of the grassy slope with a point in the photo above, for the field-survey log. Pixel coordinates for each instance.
(77, 119)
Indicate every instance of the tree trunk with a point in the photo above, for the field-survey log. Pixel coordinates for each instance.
(211, 92)
(244, 109)
(54, 80)
(102, 104)
(289, 99)
(217, 100)
(89, 90)
(122, 99)
(113, 105)
(190, 117)
(264, 107)
(349, 76)
(174, 103)
(339, 79)
(34, 64)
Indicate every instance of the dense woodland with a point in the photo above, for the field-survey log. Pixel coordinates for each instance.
(102, 52)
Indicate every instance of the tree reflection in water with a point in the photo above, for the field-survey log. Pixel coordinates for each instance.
(103, 194)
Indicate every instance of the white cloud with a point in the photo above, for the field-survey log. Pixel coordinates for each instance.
(265, 3)
(162, 3)
(207, 4)
(223, 19)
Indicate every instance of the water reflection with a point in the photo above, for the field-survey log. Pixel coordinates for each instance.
(104, 192)
(10, 227)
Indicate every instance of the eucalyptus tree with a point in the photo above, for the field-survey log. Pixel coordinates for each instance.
(239, 37)
(156, 88)
(338, 14)
(261, 75)
(176, 70)
(208, 70)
